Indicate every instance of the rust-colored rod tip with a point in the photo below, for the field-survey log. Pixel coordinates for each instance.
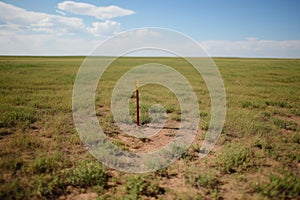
(137, 84)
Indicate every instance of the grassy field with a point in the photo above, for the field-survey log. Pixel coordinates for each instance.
(256, 157)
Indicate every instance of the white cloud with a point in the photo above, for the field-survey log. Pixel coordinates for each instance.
(45, 44)
(21, 21)
(9, 29)
(144, 33)
(60, 12)
(250, 47)
(253, 47)
(105, 28)
(37, 21)
(27, 32)
(102, 13)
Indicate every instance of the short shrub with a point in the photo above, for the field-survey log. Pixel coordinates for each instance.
(12, 116)
(288, 125)
(139, 186)
(88, 174)
(201, 179)
(236, 159)
(286, 186)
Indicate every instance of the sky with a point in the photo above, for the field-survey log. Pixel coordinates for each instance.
(224, 28)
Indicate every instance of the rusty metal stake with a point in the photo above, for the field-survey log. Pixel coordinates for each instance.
(137, 103)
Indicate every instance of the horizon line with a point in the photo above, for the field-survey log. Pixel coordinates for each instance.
(142, 56)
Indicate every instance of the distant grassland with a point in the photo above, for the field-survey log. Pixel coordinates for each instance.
(256, 157)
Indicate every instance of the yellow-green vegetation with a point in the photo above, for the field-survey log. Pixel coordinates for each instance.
(256, 157)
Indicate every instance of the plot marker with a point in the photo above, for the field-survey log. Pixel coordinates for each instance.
(137, 103)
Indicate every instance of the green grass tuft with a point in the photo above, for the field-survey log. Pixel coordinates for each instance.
(286, 186)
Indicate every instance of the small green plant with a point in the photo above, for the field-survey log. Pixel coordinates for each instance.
(296, 138)
(295, 111)
(215, 194)
(23, 141)
(174, 151)
(47, 186)
(12, 116)
(13, 190)
(207, 180)
(288, 125)
(145, 119)
(176, 117)
(139, 186)
(170, 108)
(236, 159)
(286, 186)
(157, 113)
(203, 114)
(135, 186)
(120, 144)
(201, 179)
(43, 165)
(281, 104)
(88, 174)
(48, 163)
(262, 144)
(251, 104)
(12, 163)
